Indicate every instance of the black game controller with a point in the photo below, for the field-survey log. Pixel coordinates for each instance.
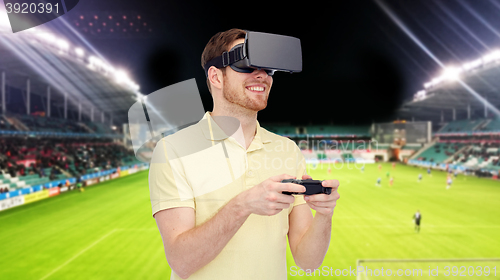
(312, 186)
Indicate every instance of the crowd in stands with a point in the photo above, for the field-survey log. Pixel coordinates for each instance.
(482, 151)
(56, 158)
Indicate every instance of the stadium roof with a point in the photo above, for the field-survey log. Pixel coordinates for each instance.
(49, 60)
(475, 84)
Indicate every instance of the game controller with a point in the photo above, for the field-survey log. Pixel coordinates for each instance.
(312, 186)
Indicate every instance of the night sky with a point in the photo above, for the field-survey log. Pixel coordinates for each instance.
(358, 64)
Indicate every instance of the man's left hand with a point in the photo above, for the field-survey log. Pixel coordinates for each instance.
(323, 203)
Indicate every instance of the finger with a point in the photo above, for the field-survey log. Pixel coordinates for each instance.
(285, 198)
(289, 187)
(279, 178)
(304, 177)
(334, 184)
(280, 206)
(322, 197)
(324, 204)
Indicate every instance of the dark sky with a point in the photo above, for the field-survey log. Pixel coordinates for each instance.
(358, 65)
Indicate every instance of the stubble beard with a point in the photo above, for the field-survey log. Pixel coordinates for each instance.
(237, 96)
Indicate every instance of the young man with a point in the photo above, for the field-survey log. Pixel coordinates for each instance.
(221, 211)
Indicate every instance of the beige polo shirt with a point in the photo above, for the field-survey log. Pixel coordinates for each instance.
(201, 167)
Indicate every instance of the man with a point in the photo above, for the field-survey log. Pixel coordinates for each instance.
(220, 210)
(417, 218)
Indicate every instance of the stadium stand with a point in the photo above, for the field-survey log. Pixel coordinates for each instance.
(481, 156)
(319, 130)
(491, 125)
(282, 129)
(462, 125)
(439, 152)
(337, 130)
(33, 161)
(38, 123)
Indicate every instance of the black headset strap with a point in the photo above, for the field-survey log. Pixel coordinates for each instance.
(227, 58)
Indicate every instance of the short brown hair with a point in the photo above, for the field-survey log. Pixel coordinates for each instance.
(218, 44)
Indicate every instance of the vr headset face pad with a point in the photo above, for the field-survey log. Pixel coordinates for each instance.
(243, 66)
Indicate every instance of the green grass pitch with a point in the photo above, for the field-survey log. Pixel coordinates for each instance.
(107, 232)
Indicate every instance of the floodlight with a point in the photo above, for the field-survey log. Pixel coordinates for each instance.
(79, 52)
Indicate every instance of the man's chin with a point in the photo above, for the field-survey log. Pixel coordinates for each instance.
(256, 105)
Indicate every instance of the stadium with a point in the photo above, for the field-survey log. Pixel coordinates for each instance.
(74, 195)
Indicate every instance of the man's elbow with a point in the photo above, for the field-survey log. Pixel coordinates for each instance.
(181, 269)
(183, 275)
(309, 266)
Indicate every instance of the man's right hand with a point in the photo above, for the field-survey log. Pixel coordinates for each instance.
(267, 198)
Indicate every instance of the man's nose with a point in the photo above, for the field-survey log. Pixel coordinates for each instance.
(260, 73)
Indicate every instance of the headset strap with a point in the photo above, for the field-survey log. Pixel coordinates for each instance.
(227, 58)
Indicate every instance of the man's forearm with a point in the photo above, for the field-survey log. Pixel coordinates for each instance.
(312, 248)
(198, 246)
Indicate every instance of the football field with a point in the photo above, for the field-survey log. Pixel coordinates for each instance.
(107, 232)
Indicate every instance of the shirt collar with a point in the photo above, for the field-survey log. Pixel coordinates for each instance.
(216, 133)
(210, 128)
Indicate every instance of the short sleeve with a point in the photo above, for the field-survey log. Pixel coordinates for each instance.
(168, 186)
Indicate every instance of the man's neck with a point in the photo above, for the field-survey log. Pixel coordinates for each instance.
(248, 124)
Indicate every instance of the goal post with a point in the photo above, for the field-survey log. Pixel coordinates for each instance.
(426, 268)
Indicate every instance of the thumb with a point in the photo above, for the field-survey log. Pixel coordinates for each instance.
(306, 176)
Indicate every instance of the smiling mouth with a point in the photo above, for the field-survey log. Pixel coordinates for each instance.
(256, 89)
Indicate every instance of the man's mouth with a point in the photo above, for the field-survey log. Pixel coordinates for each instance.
(256, 88)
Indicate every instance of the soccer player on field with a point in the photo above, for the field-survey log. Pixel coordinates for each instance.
(419, 177)
(378, 182)
(417, 218)
(448, 182)
(391, 181)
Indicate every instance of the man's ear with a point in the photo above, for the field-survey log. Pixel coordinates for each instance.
(215, 77)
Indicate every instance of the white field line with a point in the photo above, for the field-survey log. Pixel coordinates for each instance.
(78, 254)
(405, 226)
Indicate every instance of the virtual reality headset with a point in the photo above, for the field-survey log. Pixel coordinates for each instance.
(269, 52)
